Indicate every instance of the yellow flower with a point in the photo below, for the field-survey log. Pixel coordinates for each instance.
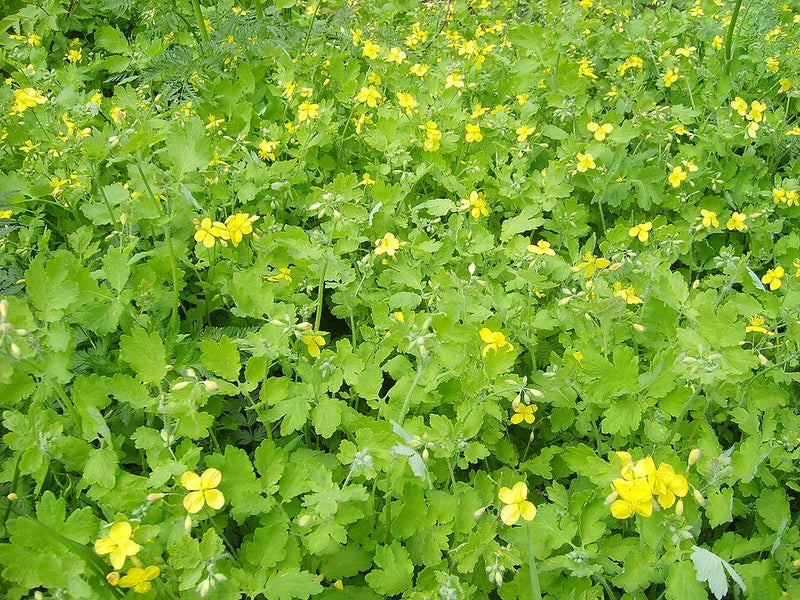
(366, 179)
(786, 85)
(634, 497)
(542, 247)
(591, 263)
(396, 55)
(202, 490)
(473, 133)
(369, 96)
(26, 98)
(455, 80)
(677, 176)
(370, 50)
(796, 265)
(585, 162)
(736, 222)
(388, 245)
(419, 70)
(709, 218)
(118, 545)
(717, 42)
(524, 412)
(432, 136)
(516, 504)
(772, 64)
(399, 316)
(739, 105)
(5, 214)
(494, 340)
(628, 294)
(686, 51)
(75, 55)
(586, 68)
(288, 89)
(523, 132)
(29, 146)
(118, 115)
(266, 150)
(756, 111)
(239, 225)
(406, 102)
(307, 111)
(208, 232)
(600, 131)
(642, 231)
(139, 579)
(792, 198)
(752, 130)
(283, 273)
(476, 204)
(756, 325)
(577, 355)
(313, 342)
(670, 77)
(57, 183)
(667, 485)
(773, 278)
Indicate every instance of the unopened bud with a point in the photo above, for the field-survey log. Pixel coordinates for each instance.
(694, 456)
(796, 563)
(22, 332)
(498, 578)
(638, 327)
(180, 385)
(471, 268)
(304, 326)
(4, 308)
(415, 442)
(211, 386)
(204, 587)
(564, 301)
(315, 206)
(611, 497)
(679, 508)
(12, 496)
(425, 455)
(695, 284)
(187, 523)
(587, 316)
(113, 578)
(304, 521)
(763, 360)
(15, 351)
(169, 367)
(190, 372)
(536, 393)
(615, 267)
(699, 497)
(479, 513)
(155, 497)
(123, 218)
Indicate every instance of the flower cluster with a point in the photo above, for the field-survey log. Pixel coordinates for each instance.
(642, 487)
(119, 546)
(234, 228)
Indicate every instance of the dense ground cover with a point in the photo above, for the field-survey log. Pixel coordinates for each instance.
(433, 300)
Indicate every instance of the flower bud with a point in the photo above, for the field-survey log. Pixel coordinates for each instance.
(763, 359)
(536, 393)
(155, 497)
(425, 455)
(123, 218)
(796, 563)
(415, 442)
(471, 268)
(498, 578)
(187, 523)
(113, 578)
(699, 497)
(12, 496)
(190, 372)
(611, 497)
(211, 386)
(4, 308)
(338, 584)
(180, 385)
(204, 587)
(15, 351)
(638, 327)
(694, 456)
(615, 267)
(304, 326)
(479, 513)
(22, 332)
(169, 367)
(304, 521)
(315, 206)
(679, 508)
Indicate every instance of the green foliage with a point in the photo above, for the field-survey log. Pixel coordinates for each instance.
(294, 290)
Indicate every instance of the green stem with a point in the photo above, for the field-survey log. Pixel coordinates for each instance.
(201, 22)
(407, 400)
(536, 592)
(321, 289)
(729, 36)
(14, 482)
(259, 9)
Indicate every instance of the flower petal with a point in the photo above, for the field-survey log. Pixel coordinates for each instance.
(520, 490)
(210, 479)
(117, 558)
(510, 514)
(128, 547)
(214, 499)
(506, 495)
(620, 509)
(191, 481)
(193, 502)
(527, 510)
(120, 532)
(104, 546)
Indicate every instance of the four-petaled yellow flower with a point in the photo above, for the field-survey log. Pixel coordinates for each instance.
(677, 176)
(634, 497)
(494, 341)
(739, 105)
(524, 412)
(600, 131)
(239, 225)
(432, 136)
(369, 96)
(542, 247)
(592, 264)
(307, 111)
(26, 98)
(667, 485)
(757, 325)
(202, 490)
(370, 50)
(641, 231)
(139, 579)
(283, 273)
(475, 204)
(757, 109)
(313, 342)
(628, 294)
(736, 222)
(709, 218)
(407, 102)
(266, 150)
(773, 278)
(396, 55)
(118, 545)
(585, 162)
(670, 77)
(388, 245)
(523, 131)
(455, 80)
(209, 231)
(516, 504)
(473, 133)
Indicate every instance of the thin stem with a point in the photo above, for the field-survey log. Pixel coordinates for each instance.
(534, 574)
(407, 400)
(201, 22)
(14, 481)
(321, 289)
(729, 36)
(259, 9)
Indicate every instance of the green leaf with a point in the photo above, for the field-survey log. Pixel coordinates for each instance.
(326, 416)
(682, 583)
(50, 285)
(394, 572)
(294, 583)
(145, 353)
(221, 358)
(711, 568)
(111, 40)
(101, 468)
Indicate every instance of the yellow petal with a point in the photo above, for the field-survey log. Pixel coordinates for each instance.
(510, 514)
(487, 335)
(527, 510)
(117, 558)
(210, 479)
(120, 532)
(214, 499)
(128, 547)
(666, 499)
(142, 587)
(679, 486)
(191, 481)
(506, 495)
(193, 502)
(104, 546)
(520, 491)
(151, 572)
(620, 509)
(516, 418)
